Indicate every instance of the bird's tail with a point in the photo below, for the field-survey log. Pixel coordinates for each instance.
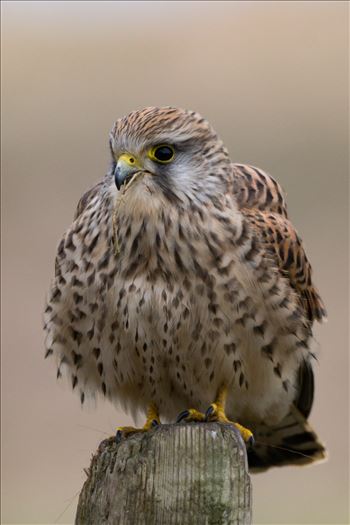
(313, 304)
(291, 442)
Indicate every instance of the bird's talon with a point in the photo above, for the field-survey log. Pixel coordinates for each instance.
(246, 434)
(152, 421)
(118, 437)
(216, 412)
(210, 411)
(183, 415)
(190, 415)
(251, 442)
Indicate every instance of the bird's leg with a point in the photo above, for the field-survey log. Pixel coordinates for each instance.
(216, 412)
(152, 421)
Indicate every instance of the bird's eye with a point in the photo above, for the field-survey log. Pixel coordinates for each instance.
(162, 153)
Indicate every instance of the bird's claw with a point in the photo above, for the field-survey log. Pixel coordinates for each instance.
(246, 434)
(211, 411)
(190, 415)
(251, 441)
(118, 436)
(183, 415)
(216, 412)
(124, 432)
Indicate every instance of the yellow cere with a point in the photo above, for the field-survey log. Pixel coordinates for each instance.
(130, 160)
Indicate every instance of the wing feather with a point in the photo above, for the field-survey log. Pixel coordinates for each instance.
(87, 198)
(255, 189)
(262, 202)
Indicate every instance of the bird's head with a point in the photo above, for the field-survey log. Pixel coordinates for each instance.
(170, 150)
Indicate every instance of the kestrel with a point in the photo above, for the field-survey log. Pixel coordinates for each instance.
(182, 287)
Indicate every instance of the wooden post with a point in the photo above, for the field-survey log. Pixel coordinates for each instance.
(183, 474)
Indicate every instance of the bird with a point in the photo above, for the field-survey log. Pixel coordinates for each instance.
(182, 291)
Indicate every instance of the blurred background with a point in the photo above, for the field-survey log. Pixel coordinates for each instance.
(272, 79)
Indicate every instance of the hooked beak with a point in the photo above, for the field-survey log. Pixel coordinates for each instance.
(125, 169)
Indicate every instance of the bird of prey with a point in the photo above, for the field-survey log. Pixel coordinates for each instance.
(182, 287)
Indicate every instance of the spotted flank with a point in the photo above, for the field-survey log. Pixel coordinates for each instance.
(181, 277)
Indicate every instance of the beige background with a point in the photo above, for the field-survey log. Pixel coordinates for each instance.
(272, 79)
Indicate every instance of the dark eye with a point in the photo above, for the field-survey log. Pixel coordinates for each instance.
(162, 153)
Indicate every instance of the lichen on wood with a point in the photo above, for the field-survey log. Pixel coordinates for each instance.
(183, 474)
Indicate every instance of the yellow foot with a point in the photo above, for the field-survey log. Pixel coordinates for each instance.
(152, 421)
(124, 432)
(189, 415)
(216, 412)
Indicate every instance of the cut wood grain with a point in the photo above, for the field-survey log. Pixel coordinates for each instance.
(183, 474)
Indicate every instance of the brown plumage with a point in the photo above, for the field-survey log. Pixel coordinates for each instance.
(261, 200)
(187, 277)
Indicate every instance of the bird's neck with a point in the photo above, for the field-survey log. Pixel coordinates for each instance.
(153, 240)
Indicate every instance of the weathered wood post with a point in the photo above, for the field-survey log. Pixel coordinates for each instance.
(183, 474)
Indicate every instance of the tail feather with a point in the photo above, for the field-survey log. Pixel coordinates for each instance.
(314, 305)
(291, 442)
